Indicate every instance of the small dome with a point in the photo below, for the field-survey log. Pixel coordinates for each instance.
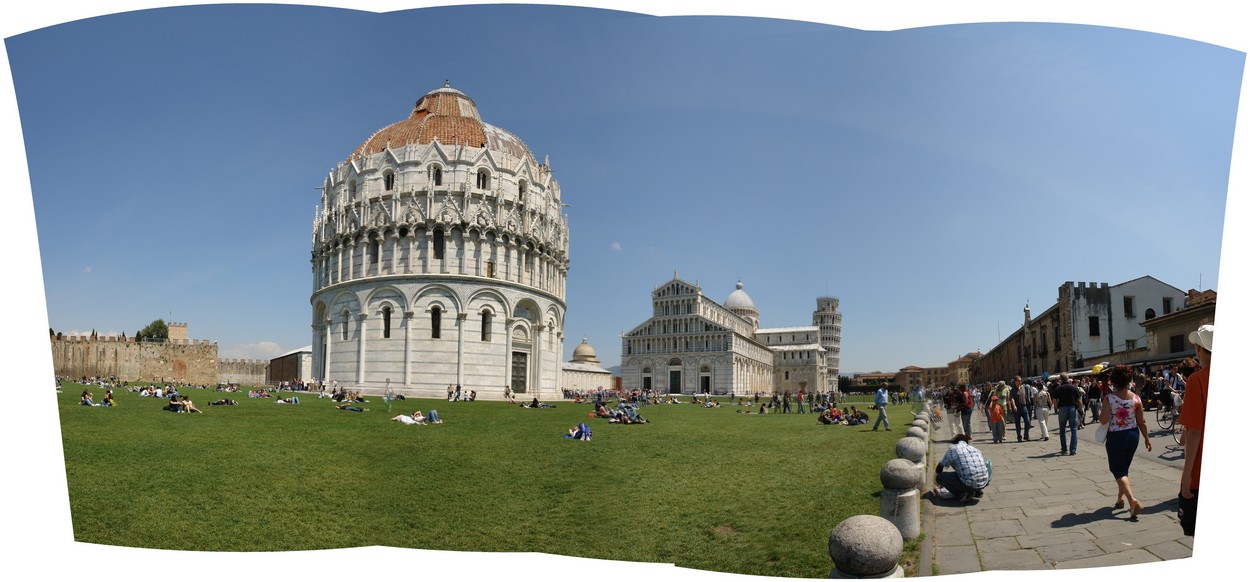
(739, 300)
(449, 116)
(584, 354)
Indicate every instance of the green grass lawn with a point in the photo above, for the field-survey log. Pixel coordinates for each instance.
(709, 489)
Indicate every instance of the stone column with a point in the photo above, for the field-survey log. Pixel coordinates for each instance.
(865, 546)
(412, 249)
(507, 351)
(460, 319)
(394, 251)
(351, 261)
(538, 358)
(408, 316)
(360, 358)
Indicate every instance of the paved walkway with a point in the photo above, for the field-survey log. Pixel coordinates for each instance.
(1044, 511)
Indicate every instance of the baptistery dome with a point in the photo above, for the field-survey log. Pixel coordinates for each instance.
(450, 117)
(440, 257)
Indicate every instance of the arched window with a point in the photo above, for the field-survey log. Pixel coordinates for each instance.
(437, 175)
(438, 245)
(375, 249)
(436, 323)
(520, 192)
(346, 318)
(386, 321)
(485, 326)
(1150, 313)
(388, 180)
(483, 179)
(351, 189)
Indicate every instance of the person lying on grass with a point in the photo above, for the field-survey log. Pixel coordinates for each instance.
(580, 432)
(351, 408)
(226, 402)
(291, 400)
(414, 418)
(537, 404)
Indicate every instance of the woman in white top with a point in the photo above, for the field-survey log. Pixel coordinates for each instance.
(1122, 413)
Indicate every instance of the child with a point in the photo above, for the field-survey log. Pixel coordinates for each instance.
(996, 419)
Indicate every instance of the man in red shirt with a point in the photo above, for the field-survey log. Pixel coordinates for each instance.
(1193, 418)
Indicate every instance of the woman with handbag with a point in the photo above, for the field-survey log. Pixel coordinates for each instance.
(1123, 419)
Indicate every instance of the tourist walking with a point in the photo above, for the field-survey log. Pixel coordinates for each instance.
(1019, 408)
(1067, 400)
(1122, 413)
(1041, 403)
(1193, 418)
(965, 409)
(881, 399)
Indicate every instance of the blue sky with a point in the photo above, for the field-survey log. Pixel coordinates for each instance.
(940, 152)
(933, 179)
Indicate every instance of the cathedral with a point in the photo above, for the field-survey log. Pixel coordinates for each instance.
(694, 345)
(439, 257)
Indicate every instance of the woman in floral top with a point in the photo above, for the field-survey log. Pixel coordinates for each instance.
(1122, 412)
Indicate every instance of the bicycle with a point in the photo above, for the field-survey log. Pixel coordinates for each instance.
(1165, 416)
(1178, 430)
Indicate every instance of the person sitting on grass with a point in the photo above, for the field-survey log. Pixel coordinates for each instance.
(351, 408)
(85, 399)
(188, 406)
(174, 405)
(108, 400)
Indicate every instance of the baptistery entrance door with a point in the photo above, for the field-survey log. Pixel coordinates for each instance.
(674, 381)
(520, 370)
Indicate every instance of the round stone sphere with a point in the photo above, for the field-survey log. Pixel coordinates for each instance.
(911, 448)
(865, 546)
(920, 423)
(902, 474)
(923, 416)
(917, 432)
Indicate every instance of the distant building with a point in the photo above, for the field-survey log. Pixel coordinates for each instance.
(584, 372)
(1087, 325)
(295, 365)
(829, 320)
(694, 345)
(1167, 336)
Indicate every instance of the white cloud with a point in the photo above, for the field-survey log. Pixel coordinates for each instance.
(255, 351)
(616, 246)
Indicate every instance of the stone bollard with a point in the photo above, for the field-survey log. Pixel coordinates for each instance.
(865, 546)
(911, 448)
(917, 432)
(921, 423)
(900, 501)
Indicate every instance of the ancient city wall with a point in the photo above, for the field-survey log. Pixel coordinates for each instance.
(243, 372)
(189, 361)
(176, 360)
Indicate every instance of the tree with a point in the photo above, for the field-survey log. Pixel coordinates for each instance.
(156, 331)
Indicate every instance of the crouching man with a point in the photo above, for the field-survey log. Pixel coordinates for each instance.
(971, 472)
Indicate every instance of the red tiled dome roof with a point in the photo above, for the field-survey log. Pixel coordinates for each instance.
(449, 116)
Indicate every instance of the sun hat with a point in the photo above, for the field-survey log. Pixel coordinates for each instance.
(1204, 336)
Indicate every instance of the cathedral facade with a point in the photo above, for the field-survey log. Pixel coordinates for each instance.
(439, 257)
(694, 345)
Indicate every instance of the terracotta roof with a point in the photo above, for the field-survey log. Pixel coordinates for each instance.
(449, 116)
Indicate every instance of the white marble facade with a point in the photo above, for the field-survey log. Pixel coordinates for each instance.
(694, 345)
(439, 257)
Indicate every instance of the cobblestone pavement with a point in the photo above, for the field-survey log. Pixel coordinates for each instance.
(1045, 511)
